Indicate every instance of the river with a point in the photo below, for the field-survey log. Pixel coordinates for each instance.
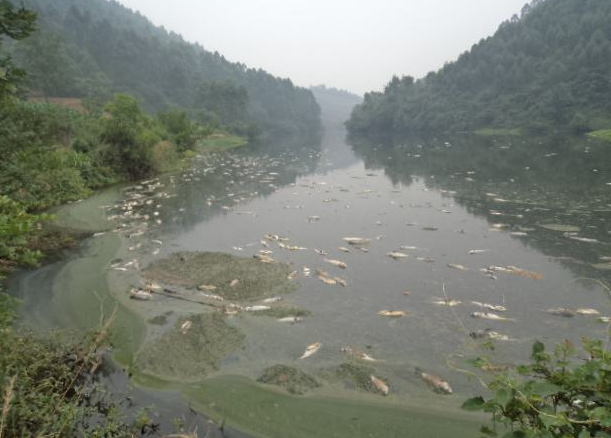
(521, 223)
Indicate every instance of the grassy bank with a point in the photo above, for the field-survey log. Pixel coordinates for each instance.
(220, 142)
(601, 134)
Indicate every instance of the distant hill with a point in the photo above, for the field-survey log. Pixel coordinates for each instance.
(548, 69)
(336, 104)
(95, 48)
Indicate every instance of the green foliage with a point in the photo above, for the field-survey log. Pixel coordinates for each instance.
(557, 395)
(16, 226)
(101, 48)
(16, 23)
(182, 131)
(546, 70)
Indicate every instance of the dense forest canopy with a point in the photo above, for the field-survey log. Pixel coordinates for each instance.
(549, 68)
(98, 48)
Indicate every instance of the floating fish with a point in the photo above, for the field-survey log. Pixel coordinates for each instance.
(477, 251)
(457, 266)
(212, 297)
(312, 219)
(489, 334)
(359, 354)
(341, 248)
(392, 313)
(340, 281)
(490, 306)
(139, 294)
(256, 308)
(327, 280)
(430, 228)
(379, 383)
(438, 384)
(561, 311)
(271, 300)
(320, 252)
(356, 240)
(293, 275)
(184, 328)
(234, 282)
(583, 311)
(263, 258)
(207, 287)
(311, 350)
(397, 255)
(337, 263)
(491, 316)
(407, 247)
(292, 319)
(447, 302)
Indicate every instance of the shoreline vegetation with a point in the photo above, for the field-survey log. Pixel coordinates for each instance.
(601, 134)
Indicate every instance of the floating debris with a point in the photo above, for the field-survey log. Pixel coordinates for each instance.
(313, 348)
(320, 252)
(430, 228)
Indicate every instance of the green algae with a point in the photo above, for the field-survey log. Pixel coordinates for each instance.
(263, 412)
(292, 379)
(358, 377)
(193, 353)
(255, 280)
(283, 312)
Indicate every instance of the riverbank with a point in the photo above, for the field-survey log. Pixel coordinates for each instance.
(601, 134)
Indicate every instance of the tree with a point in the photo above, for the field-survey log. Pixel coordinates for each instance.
(16, 24)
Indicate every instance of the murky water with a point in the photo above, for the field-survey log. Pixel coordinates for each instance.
(536, 211)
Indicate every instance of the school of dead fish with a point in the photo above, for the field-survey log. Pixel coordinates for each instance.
(142, 209)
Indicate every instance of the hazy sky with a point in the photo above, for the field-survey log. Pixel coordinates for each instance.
(352, 44)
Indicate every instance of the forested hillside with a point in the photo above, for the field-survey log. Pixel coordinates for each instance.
(96, 48)
(548, 69)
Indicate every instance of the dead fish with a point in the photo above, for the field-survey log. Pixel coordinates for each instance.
(337, 263)
(397, 255)
(340, 281)
(320, 252)
(379, 383)
(306, 271)
(583, 311)
(327, 280)
(139, 294)
(234, 282)
(312, 219)
(489, 334)
(101, 233)
(561, 311)
(447, 302)
(292, 319)
(207, 287)
(426, 259)
(524, 273)
(430, 228)
(184, 328)
(605, 319)
(457, 266)
(120, 269)
(293, 275)
(356, 240)
(212, 297)
(311, 350)
(490, 306)
(584, 239)
(407, 247)
(477, 251)
(392, 313)
(491, 316)
(439, 384)
(256, 308)
(271, 300)
(264, 258)
(341, 248)
(359, 354)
